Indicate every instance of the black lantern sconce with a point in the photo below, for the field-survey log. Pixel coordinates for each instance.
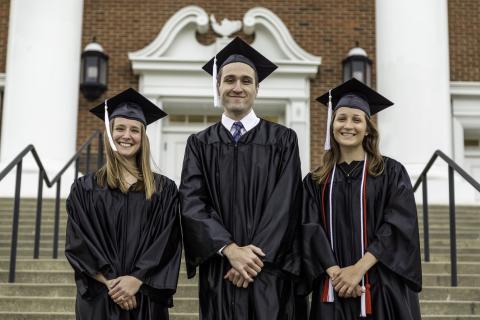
(357, 65)
(93, 73)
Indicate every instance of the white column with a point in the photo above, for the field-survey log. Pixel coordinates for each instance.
(296, 118)
(413, 71)
(42, 81)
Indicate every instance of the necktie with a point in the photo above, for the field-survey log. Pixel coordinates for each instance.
(237, 131)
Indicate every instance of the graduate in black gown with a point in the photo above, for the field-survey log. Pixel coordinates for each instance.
(241, 195)
(123, 232)
(361, 247)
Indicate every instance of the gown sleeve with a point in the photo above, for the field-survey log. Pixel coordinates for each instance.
(203, 230)
(396, 241)
(158, 264)
(80, 249)
(317, 255)
(277, 231)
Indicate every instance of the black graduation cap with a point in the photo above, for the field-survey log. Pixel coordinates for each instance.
(355, 94)
(352, 94)
(240, 51)
(127, 104)
(131, 105)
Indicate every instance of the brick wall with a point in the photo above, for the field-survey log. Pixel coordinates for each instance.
(464, 38)
(4, 13)
(326, 28)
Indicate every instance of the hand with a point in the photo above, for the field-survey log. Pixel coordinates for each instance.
(236, 278)
(126, 287)
(346, 281)
(245, 259)
(129, 303)
(333, 271)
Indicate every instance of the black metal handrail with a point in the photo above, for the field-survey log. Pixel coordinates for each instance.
(422, 179)
(42, 177)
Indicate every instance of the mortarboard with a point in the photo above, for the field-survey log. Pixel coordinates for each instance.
(352, 94)
(127, 104)
(238, 51)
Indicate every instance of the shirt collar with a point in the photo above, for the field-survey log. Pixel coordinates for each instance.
(249, 121)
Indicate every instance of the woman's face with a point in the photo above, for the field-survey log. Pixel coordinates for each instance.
(127, 136)
(349, 127)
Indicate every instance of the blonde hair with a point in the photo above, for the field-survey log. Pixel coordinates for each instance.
(370, 144)
(111, 172)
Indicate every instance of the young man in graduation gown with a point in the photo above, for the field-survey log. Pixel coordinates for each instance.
(240, 195)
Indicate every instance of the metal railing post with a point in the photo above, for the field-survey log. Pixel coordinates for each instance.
(453, 235)
(38, 218)
(16, 218)
(426, 235)
(87, 167)
(57, 220)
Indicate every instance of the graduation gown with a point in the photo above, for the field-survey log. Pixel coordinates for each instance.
(247, 193)
(392, 233)
(118, 234)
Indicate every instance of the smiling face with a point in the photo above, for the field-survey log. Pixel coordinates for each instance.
(127, 136)
(237, 89)
(349, 127)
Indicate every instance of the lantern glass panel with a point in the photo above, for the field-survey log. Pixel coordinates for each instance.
(347, 71)
(91, 68)
(358, 70)
(103, 71)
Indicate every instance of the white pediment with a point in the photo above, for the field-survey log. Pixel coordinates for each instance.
(176, 46)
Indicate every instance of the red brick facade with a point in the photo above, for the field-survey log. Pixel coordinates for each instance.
(464, 36)
(4, 14)
(326, 28)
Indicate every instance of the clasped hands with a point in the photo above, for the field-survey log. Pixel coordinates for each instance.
(122, 290)
(345, 281)
(246, 264)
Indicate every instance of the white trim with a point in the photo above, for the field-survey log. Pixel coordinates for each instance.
(2, 80)
(263, 17)
(465, 88)
(170, 67)
(175, 25)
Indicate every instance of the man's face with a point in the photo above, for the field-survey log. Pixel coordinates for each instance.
(237, 89)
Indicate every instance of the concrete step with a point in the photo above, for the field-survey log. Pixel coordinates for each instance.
(448, 317)
(461, 257)
(450, 293)
(29, 243)
(467, 267)
(71, 316)
(69, 290)
(45, 252)
(67, 304)
(442, 267)
(450, 308)
(61, 277)
(36, 264)
(30, 235)
(444, 280)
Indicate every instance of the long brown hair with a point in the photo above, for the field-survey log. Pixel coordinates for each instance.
(370, 144)
(111, 171)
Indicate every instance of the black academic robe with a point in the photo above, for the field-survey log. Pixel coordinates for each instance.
(118, 234)
(392, 233)
(247, 193)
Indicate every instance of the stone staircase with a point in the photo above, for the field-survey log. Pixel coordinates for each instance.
(44, 288)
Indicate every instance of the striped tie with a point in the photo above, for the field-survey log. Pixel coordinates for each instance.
(237, 131)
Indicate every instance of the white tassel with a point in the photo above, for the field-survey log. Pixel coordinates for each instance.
(330, 297)
(363, 308)
(214, 82)
(107, 128)
(329, 120)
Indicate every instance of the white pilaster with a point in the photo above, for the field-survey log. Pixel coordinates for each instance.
(413, 71)
(42, 83)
